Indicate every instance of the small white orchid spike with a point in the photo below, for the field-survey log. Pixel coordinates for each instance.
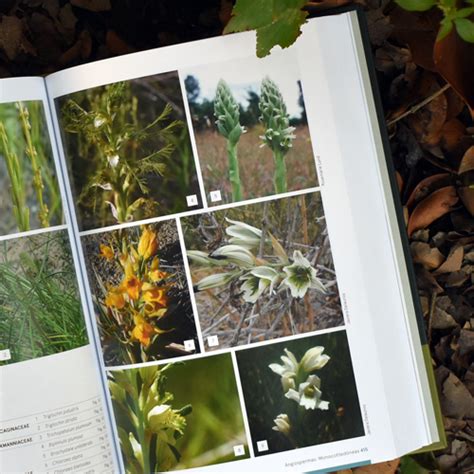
(314, 359)
(237, 254)
(308, 394)
(289, 367)
(243, 234)
(282, 424)
(301, 276)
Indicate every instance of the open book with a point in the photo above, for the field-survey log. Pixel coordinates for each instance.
(204, 261)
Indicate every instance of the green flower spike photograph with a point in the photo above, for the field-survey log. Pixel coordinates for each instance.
(262, 271)
(178, 416)
(300, 393)
(29, 192)
(250, 128)
(140, 293)
(40, 311)
(128, 151)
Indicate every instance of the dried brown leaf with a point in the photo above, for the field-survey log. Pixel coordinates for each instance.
(93, 5)
(441, 319)
(12, 37)
(432, 207)
(427, 186)
(453, 261)
(429, 257)
(466, 194)
(467, 162)
(389, 467)
(456, 401)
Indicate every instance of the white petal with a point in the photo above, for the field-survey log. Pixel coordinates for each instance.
(277, 368)
(293, 395)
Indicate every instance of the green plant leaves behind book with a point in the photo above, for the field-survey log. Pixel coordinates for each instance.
(277, 22)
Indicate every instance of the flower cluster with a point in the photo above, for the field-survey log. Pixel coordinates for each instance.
(299, 383)
(155, 425)
(141, 298)
(258, 276)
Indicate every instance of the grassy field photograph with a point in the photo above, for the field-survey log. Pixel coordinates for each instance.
(178, 416)
(140, 294)
(300, 393)
(262, 271)
(250, 128)
(40, 311)
(29, 191)
(128, 151)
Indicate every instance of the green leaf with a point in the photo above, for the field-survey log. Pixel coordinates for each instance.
(416, 5)
(446, 27)
(277, 22)
(465, 29)
(464, 12)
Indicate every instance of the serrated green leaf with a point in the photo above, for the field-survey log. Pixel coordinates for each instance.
(416, 5)
(445, 29)
(277, 22)
(282, 32)
(465, 29)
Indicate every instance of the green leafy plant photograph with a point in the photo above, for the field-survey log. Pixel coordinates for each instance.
(29, 191)
(250, 127)
(300, 393)
(140, 293)
(40, 311)
(128, 151)
(262, 271)
(179, 415)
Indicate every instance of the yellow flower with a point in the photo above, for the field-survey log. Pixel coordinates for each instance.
(157, 275)
(148, 243)
(115, 299)
(106, 252)
(157, 296)
(132, 285)
(143, 331)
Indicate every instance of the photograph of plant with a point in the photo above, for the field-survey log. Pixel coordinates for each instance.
(140, 293)
(262, 271)
(29, 191)
(178, 416)
(250, 127)
(128, 150)
(300, 393)
(40, 311)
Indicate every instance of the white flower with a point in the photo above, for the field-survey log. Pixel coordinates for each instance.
(200, 258)
(289, 367)
(211, 281)
(99, 121)
(113, 160)
(287, 382)
(243, 234)
(164, 416)
(301, 276)
(257, 281)
(235, 254)
(308, 394)
(282, 424)
(314, 359)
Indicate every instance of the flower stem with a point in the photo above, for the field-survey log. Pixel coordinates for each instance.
(280, 171)
(234, 176)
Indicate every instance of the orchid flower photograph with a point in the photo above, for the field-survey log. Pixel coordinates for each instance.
(164, 425)
(262, 271)
(140, 294)
(250, 127)
(300, 392)
(128, 151)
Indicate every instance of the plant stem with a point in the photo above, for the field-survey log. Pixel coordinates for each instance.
(43, 213)
(234, 176)
(280, 171)
(15, 173)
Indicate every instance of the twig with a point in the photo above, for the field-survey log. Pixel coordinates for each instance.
(430, 316)
(420, 105)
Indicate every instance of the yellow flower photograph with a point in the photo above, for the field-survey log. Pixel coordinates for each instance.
(140, 294)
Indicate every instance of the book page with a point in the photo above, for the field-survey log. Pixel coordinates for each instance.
(51, 409)
(232, 312)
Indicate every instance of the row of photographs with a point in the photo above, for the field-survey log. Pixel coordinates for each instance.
(231, 406)
(157, 146)
(220, 279)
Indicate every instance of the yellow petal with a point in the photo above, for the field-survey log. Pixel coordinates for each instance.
(106, 252)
